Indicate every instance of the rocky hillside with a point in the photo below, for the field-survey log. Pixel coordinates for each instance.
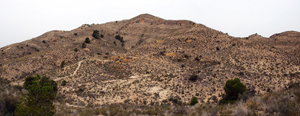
(153, 62)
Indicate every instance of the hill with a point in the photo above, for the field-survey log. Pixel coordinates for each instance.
(153, 62)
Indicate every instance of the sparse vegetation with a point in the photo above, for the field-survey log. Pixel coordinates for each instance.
(96, 34)
(9, 97)
(39, 99)
(279, 103)
(62, 64)
(101, 35)
(193, 77)
(64, 83)
(44, 41)
(232, 89)
(83, 45)
(194, 101)
(87, 40)
(197, 59)
(160, 71)
(75, 49)
(75, 34)
(120, 38)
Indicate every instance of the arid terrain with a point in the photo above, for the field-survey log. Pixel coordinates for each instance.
(154, 62)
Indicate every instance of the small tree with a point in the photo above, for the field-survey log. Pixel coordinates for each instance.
(83, 45)
(75, 49)
(39, 99)
(87, 40)
(194, 101)
(96, 34)
(101, 35)
(232, 88)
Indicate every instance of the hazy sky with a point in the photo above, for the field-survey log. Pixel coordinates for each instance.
(21, 20)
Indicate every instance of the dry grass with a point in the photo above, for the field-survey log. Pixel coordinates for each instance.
(9, 97)
(282, 103)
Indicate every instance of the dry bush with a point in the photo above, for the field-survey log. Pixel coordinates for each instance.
(9, 97)
(240, 109)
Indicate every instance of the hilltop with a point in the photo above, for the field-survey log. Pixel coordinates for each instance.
(153, 62)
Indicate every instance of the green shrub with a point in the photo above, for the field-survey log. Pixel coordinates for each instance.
(75, 49)
(29, 81)
(193, 77)
(44, 41)
(87, 40)
(232, 89)
(83, 45)
(194, 101)
(101, 35)
(75, 34)
(115, 43)
(64, 83)
(96, 34)
(39, 99)
(63, 63)
(120, 38)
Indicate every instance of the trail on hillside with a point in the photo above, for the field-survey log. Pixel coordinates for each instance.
(79, 64)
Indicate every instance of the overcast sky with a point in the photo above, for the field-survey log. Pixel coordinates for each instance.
(21, 20)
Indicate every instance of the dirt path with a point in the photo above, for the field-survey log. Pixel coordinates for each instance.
(79, 64)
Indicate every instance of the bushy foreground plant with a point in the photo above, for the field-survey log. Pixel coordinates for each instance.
(39, 99)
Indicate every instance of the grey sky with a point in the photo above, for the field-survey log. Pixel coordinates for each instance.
(21, 20)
